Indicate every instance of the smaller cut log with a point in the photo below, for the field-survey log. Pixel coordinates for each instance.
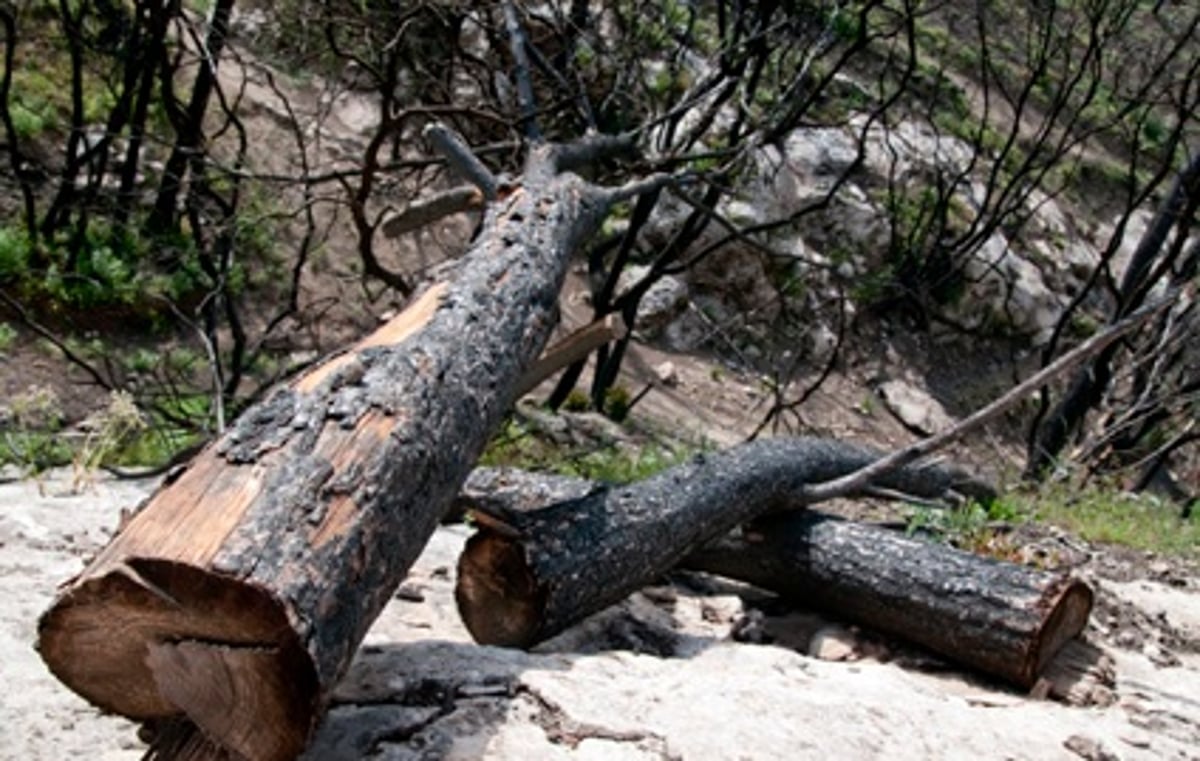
(527, 575)
(996, 617)
(1000, 618)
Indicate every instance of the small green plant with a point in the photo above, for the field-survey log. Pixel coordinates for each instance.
(971, 527)
(517, 445)
(953, 526)
(8, 336)
(152, 446)
(577, 401)
(866, 405)
(34, 104)
(142, 360)
(617, 403)
(30, 433)
(618, 464)
(845, 25)
(41, 97)
(15, 251)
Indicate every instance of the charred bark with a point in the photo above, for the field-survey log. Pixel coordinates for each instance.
(529, 574)
(237, 594)
(1000, 618)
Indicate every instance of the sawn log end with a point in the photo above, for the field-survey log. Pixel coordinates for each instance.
(152, 639)
(497, 594)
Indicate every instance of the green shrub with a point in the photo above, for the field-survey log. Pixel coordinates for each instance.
(15, 252)
(617, 402)
(518, 446)
(622, 464)
(8, 336)
(577, 401)
(113, 428)
(30, 438)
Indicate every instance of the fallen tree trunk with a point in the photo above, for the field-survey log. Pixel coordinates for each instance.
(237, 594)
(538, 564)
(527, 575)
(1000, 618)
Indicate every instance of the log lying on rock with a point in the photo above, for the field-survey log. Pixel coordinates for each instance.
(541, 559)
(238, 593)
(1000, 618)
(527, 575)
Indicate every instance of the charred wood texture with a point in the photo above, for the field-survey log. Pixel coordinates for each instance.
(237, 594)
(1000, 618)
(529, 574)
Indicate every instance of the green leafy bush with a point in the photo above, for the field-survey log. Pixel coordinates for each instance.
(15, 251)
(29, 435)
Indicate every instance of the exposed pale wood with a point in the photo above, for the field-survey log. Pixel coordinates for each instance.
(572, 349)
(217, 685)
(97, 636)
(393, 331)
(549, 568)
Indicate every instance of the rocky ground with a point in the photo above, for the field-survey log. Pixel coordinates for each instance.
(692, 669)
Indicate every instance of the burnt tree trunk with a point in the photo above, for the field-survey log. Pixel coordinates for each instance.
(237, 594)
(189, 123)
(527, 575)
(537, 555)
(1000, 618)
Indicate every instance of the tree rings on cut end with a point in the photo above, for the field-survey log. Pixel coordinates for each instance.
(498, 596)
(153, 639)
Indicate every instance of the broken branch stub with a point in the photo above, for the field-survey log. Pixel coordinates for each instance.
(238, 593)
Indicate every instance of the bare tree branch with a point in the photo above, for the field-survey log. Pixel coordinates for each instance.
(462, 159)
(425, 211)
(857, 480)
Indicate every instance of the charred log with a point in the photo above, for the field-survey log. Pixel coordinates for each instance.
(1000, 618)
(529, 574)
(237, 594)
(538, 551)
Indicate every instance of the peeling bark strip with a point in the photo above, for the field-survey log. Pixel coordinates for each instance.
(239, 592)
(1000, 618)
(529, 574)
